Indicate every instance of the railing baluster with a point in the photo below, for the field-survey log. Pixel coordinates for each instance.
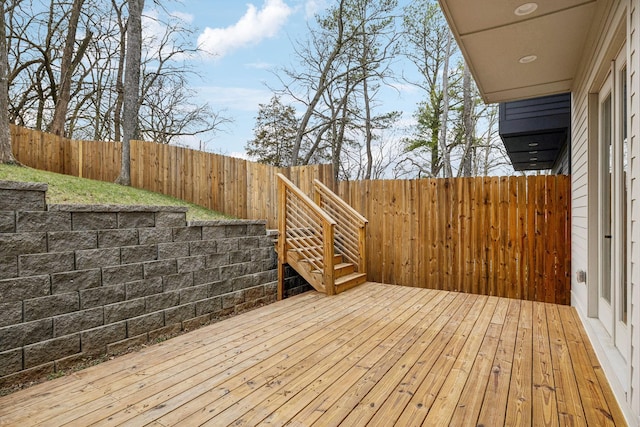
(304, 227)
(351, 228)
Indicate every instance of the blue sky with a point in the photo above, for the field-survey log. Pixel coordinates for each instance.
(246, 41)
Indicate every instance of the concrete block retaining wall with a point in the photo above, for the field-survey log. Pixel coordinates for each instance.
(80, 281)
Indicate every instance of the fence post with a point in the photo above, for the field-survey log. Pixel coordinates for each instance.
(282, 235)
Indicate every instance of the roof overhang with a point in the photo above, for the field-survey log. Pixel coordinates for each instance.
(496, 40)
(535, 130)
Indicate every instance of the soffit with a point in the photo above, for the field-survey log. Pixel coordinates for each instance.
(493, 39)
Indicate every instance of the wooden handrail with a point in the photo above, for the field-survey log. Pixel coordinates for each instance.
(300, 222)
(351, 228)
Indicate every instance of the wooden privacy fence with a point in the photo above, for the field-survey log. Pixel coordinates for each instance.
(229, 185)
(503, 236)
(506, 236)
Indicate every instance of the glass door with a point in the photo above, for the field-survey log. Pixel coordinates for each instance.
(613, 289)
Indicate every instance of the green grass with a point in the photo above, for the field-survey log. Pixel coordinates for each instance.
(69, 190)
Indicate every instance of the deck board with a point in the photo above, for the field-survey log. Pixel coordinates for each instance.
(374, 355)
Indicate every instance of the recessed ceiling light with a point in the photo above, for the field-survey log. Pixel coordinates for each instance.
(525, 9)
(527, 59)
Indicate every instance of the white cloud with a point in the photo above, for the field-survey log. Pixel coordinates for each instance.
(312, 7)
(254, 26)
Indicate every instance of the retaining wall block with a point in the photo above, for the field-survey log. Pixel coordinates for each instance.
(213, 232)
(179, 313)
(194, 294)
(78, 321)
(144, 287)
(159, 268)
(39, 221)
(124, 310)
(94, 258)
(143, 324)
(203, 247)
(95, 340)
(191, 264)
(21, 288)
(8, 267)
(51, 305)
(173, 250)
(121, 274)
(208, 275)
(170, 219)
(15, 244)
(10, 313)
(187, 234)
(220, 288)
(232, 299)
(62, 241)
(10, 362)
(208, 305)
(235, 230)
(140, 253)
(7, 222)
(94, 220)
(39, 264)
(227, 245)
(73, 281)
(149, 236)
(103, 295)
(46, 351)
(136, 219)
(217, 260)
(22, 196)
(115, 238)
(161, 301)
(25, 333)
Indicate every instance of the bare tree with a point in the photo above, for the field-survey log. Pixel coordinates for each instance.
(68, 65)
(6, 153)
(427, 43)
(341, 67)
(131, 87)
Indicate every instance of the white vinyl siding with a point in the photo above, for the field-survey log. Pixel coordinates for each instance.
(589, 79)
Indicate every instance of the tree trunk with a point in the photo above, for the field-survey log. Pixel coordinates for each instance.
(446, 161)
(367, 128)
(6, 155)
(67, 69)
(467, 116)
(131, 87)
(322, 85)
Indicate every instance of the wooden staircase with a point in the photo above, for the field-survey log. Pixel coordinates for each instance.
(322, 239)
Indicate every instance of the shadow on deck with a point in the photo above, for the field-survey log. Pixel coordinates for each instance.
(376, 354)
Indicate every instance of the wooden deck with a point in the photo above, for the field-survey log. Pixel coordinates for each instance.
(375, 355)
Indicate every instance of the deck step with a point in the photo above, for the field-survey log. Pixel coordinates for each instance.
(341, 269)
(349, 281)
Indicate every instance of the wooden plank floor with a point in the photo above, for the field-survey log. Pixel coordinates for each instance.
(375, 355)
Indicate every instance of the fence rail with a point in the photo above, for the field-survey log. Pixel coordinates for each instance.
(229, 185)
(503, 236)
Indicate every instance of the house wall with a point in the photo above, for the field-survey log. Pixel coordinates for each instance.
(617, 21)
